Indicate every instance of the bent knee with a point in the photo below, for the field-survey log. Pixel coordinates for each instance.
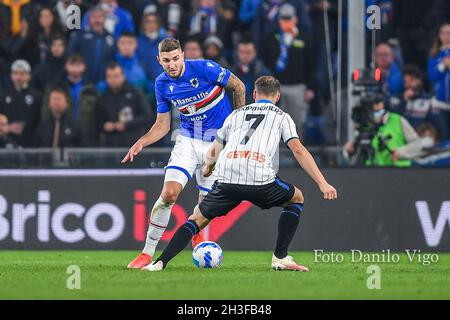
(169, 195)
(298, 197)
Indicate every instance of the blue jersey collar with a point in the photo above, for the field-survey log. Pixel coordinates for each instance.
(264, 101)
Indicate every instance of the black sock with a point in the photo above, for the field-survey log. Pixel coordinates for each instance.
(179, 241)
(287, 225)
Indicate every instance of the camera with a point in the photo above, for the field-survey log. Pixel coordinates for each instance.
(367, 88)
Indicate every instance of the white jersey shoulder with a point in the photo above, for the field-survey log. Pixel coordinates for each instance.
(251, 136)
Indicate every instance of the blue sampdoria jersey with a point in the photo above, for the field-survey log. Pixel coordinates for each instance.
(199, 95)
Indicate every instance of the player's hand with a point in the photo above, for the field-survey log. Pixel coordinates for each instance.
(133, 152)
(208, 169)
(329, 192)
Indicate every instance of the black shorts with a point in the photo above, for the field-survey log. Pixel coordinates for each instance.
(224, 197)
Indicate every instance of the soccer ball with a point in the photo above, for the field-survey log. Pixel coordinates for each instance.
(207, 254)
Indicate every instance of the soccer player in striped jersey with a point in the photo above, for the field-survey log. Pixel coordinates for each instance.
(197, 89)
(243, 155)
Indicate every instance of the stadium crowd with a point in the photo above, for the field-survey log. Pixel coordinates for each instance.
(95, 86)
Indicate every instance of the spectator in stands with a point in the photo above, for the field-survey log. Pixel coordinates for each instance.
(126, 57)
(52, 68)
(395, 139)
(117, 19)
(73, 80)
(192, 49)
(173, 15)
(82, 99)
(417, 106)
(95, 44)
(151, 35)
(213, 48)
(35, 38)
(59, 130)
(266, 19)
(5, 140)
(288, 54)
(439, 64)
(211, 19)
(21, 104)
(123, 110)
(392, 81)
(248, 67)
(14, 13)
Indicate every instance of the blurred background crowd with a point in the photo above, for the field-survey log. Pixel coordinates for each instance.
(95, 86)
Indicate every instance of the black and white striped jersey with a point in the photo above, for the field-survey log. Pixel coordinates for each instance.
(251, 136)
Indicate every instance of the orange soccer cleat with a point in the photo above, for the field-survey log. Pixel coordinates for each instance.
(198, 238)
(142, 260)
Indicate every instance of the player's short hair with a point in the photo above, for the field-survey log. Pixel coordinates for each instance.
(267, 85)
(168, 45)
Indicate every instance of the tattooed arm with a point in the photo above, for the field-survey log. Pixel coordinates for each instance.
(238, 88)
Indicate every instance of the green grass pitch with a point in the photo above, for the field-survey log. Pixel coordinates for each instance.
(243, 275)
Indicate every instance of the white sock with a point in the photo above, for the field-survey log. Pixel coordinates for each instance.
(158, 223)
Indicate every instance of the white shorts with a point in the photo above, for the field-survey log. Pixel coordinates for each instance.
(187, 159)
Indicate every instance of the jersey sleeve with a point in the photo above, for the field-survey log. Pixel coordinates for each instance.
(216, 74)
(224, 132)
(162, 104)
(288, 129)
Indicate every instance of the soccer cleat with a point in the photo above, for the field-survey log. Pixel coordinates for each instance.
(198, 238)
(155, 266)
(142, 260)
(287, 263)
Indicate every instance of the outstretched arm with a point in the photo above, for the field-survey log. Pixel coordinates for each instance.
(306, 161)
(159, 129)
(238, 88)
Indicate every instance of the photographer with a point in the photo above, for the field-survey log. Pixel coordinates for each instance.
(392, 139)
(417, 106)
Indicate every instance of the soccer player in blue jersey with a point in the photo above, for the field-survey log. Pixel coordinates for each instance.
(197, 89)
